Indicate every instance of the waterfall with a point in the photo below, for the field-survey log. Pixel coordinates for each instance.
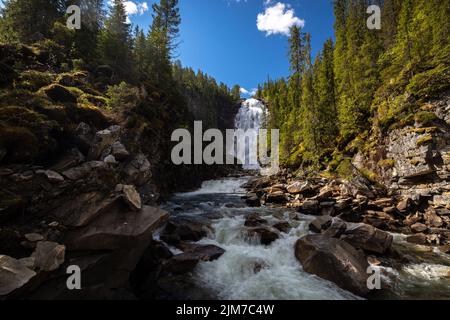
(251, 115)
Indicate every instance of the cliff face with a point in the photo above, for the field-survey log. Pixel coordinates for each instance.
(80, 178)
(415, 160)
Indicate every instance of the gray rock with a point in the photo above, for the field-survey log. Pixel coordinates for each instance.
(367, 238)
(138, 170)
(102, 140)
(299, 187)
(49, 255)
(119, 151)
(34, 237)
(51, 176)
(13, 275)
(334, 260)
(132, 197)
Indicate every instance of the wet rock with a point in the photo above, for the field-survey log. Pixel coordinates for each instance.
(253, 201)
(310, 207)
(283, 226)
(181, 263)
(334, 260)
(336, 228)
(418, 227)
(277, 197)
(254, 220)
(203, 252)
(320, 223)
(185, 229)
(419, 238)
(132, 197)
(367, 238)
(13, 275)
(266, 235)
(49, 255)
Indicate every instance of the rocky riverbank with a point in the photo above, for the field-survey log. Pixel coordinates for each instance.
(354, 223)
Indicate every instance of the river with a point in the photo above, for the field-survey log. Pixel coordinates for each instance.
(251, 271)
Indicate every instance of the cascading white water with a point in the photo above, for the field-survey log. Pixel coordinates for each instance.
(251, 115)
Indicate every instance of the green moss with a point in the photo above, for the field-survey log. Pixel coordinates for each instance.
(424, 130)
(424, 140)
(425, 118)
(370, 175)
(386, 163)
(345, 169)
(430, 83)
(34, 80)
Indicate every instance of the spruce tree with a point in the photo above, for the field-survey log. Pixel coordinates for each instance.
(115, 41)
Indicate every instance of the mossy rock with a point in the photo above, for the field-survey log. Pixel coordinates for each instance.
(7, 74)
(34, 80)
(21, 145)
(425, 118)
(424, 140)
(345, 169)
(386, 163)
(73, 79)
(59, 93)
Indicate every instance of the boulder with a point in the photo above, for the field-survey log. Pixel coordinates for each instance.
(278, 197)
(336, 229)
(51, 176)
(418, 238)
(266, 235)
(320, 223)
(253, 201)
(310, 207)
(185, 229)
(82, 209)
(132, 197)
(85, 170)
(418, 227)
(405, 205)
(102, 140)
(432, 219)
(283, 226)
(58, 93)
(367, 238)
(117, 229)
(13, 275)
(181, 263)
(254, 220)
(119, 151)
(334, 260)
(34, 237)
(48, 255)
(203, 252)
(138, 170)
(299, 187)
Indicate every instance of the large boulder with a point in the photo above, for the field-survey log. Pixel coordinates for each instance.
(299, 187)
(204, 252)
(367, 238)
(254, 220)
(266, 235)
(334, 260)
(48, 256)
(59, 93)
(320, 223)
(117, 229)
(13, 275)
(185, 229)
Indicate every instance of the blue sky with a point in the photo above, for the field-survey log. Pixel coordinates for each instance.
(223, 38)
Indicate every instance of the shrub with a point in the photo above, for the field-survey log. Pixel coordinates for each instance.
(122, 97)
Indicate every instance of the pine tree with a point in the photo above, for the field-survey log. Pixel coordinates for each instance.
(140, 51)
(31, 19)
(115, 41)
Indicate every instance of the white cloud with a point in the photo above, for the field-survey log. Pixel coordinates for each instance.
(248, 93)
(133, 8)
(278, 19)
